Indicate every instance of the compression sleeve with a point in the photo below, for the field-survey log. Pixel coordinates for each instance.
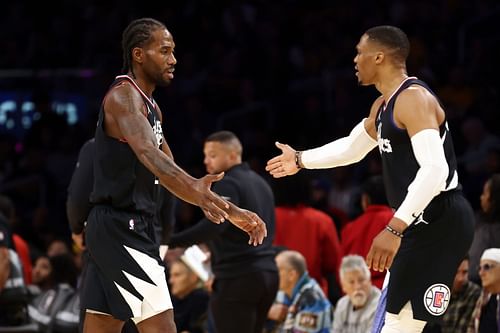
(344, 151)
(430, 179)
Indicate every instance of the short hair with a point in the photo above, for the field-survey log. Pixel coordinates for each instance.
(295, 260)
(393, 38)
(351, 263)
(137, 34)
(374, 188)
(227, 138)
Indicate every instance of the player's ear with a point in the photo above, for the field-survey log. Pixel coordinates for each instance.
(379, 57)
(137, 54)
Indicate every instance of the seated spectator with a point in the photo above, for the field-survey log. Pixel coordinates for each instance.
(13, 293)
(303, 306)
(22, 247)
(58, 247)
(189, 298)
(60, 296)
(357, 236)
(41, 273)
(464, 295)
(485, 314)
(487, 228)
(355, 311)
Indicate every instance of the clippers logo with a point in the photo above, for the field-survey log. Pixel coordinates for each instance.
(436, 299)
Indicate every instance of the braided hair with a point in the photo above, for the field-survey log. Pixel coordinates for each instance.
(137, 34)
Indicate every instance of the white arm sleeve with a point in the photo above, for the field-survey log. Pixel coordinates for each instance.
(344, 151)
(430, 179)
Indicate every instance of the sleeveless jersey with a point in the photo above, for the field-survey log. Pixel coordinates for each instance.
(120, 179)
(399, 163)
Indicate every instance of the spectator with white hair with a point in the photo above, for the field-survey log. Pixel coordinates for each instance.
(485, 317)
(355, 311)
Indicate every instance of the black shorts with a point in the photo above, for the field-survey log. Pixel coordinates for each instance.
(125, 276)
(431, 251)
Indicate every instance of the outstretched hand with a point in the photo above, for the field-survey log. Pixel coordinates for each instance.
(382, 252)
(252, 224)
(284, 164)
(213, 206)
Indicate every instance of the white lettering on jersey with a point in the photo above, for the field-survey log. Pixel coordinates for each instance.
(157, 130)
(384, 145)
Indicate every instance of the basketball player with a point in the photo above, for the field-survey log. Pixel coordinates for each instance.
(431, 230)
(125, 275)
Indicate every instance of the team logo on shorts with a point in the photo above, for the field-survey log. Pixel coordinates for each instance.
(437, 298)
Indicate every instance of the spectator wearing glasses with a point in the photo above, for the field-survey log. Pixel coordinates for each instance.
(487, 228)
(486, 313)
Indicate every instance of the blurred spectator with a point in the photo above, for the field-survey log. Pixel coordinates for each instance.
(42, 271)
(357, 236)
(22, 247)
(58, 247)
(474, 160)
(354, 312)
(60, 295)
(303, 307)
(309, 231)
(485, 317)
(189, 298)
(487, 229)
(13, 294)
(343, 190)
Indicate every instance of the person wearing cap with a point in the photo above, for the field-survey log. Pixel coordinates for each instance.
(486, 313)
(189, 298)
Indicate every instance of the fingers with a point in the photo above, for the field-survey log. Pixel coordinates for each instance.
(214, 213)
(369, 258)
(257, 234)
(378, 260)
(216, 178)
(211, 217)
(258, 231)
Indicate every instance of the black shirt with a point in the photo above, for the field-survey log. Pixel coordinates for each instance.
(230, 253)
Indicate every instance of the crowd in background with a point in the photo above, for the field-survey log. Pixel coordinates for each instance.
(266, 70)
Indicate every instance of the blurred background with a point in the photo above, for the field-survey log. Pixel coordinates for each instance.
(267, 70)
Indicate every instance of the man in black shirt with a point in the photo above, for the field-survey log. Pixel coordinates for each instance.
(246, 277)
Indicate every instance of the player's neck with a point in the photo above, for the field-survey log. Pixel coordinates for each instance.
(390, 84)
(146, 87)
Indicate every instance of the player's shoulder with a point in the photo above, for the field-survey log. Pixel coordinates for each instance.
(415, 93)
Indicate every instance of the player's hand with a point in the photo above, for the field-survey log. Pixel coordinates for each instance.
(382, 252)
(251, 223)
(284, 164)
(213, 206)
(78, 240)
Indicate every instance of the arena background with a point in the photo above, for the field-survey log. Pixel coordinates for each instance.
(267, 70)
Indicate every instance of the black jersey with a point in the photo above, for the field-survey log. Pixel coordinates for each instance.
(120, 179)
(399, 163)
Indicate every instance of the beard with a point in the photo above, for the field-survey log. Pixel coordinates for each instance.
(359, 298)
